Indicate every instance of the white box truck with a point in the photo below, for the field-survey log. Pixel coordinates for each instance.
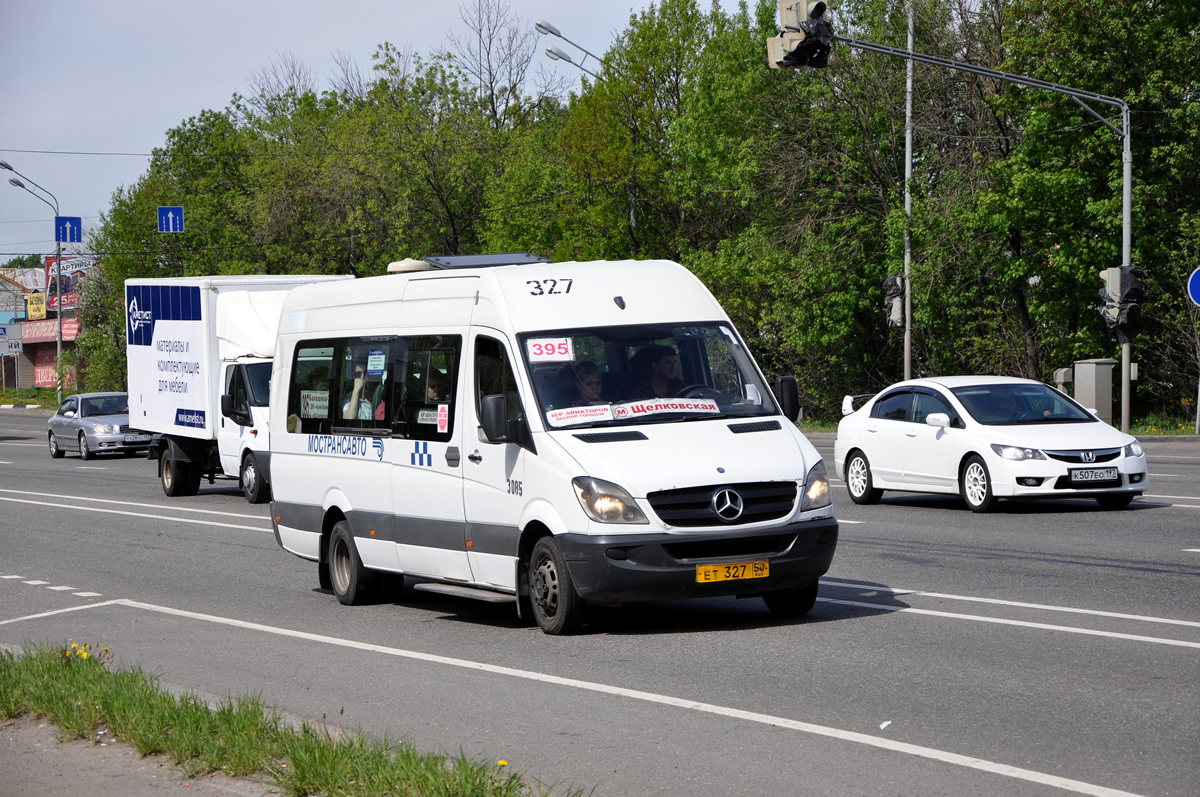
(199, 356)
(547, 434)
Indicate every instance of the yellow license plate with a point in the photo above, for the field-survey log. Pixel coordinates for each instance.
(734, 571)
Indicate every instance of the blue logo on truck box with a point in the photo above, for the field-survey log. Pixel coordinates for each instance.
(145, 305)
(193, 418)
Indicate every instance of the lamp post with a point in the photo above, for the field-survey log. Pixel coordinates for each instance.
(556, 54)
(13, 181)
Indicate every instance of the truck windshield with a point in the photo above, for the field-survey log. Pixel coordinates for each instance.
(258, 375)
(643, 374)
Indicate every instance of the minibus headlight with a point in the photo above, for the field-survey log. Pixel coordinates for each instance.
(816, 488)
(605, 502)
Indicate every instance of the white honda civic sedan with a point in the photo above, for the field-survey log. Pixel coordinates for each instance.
(985, 438)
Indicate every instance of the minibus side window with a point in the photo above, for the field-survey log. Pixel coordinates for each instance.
(364, 384)
(425, 386)
(494, 374)
(310, 386)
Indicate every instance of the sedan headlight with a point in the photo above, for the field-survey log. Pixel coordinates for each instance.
(605, 502)
(1017, 453)
(816, 488)
(103, 428)
(1134, 449)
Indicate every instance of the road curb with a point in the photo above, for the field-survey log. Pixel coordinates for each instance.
(21, 406)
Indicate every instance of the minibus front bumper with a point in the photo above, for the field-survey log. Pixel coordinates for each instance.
(619, 568)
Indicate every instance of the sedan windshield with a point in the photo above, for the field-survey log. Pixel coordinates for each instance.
(636, 374)
(1012, 404)
(104, 405)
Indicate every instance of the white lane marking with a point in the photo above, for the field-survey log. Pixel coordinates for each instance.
(87, 594)
(933, 754)
(171, 507)
(1172, 456)
(4, 462)
(40, 615)
(62, 589)
(1015, 604)
(1186, 550)
(137, 514)
(89, 467)
(27, 445)
(1181, 497)
(35, 583)
(1020, 623)
(12, 576)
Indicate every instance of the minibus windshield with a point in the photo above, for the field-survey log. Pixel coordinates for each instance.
(606, 376)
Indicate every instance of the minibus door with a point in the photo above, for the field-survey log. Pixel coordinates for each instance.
(493, 472)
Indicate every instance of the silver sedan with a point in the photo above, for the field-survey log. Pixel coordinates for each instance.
(93, 423)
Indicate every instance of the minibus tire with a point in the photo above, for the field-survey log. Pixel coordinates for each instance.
(351, 581)
(792, 602)
(557, 607)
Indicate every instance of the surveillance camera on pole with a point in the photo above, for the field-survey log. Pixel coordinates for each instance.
(805, 36)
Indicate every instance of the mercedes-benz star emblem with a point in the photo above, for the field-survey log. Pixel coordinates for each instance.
(728, 505)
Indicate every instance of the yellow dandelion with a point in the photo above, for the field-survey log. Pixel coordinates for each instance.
(74, 645)
(502, 763)
(83, 654)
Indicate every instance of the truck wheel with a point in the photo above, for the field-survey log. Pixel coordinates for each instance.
(84, 451)
(55, 451)
(253, 486)
(179, 478)
(557, 607)
(351, 581)
(792, 602)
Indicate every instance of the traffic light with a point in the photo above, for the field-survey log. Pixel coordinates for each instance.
(893, 292)
(1111, 294)
(805, 37)
(1123, 296)
(1129, 313)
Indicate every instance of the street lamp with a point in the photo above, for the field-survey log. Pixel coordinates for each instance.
(13, 181)
(557, 54)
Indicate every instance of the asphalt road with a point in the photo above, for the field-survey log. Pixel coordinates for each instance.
(1047, 648)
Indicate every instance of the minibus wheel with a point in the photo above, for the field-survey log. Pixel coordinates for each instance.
(557, 607)
(349, 579)
(792, 602)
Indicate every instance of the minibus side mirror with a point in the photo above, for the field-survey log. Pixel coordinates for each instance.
(788, 395)
(495, 418)
(238, 417)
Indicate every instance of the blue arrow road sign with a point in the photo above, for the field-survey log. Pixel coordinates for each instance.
(68, 229)
(170, 218)
(1194, 286)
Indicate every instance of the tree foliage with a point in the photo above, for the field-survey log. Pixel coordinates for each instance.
(783, 190)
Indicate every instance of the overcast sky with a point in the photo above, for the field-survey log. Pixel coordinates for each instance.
(82, 81)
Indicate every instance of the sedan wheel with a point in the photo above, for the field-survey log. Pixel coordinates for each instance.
(858, 480)
(977, 485)
(55, 451)
(84, 451)
(1114, 500)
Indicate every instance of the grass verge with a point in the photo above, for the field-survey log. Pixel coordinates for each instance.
(76, 689)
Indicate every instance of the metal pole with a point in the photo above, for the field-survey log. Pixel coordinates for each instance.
(908, 157)
(58, 292)
(1126, 257)
(1078, 96)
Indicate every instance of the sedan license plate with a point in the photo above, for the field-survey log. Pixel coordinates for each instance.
(734, 571)
(1081, 475)
(137, 438)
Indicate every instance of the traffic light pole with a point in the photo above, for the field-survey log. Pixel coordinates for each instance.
(1078, 96)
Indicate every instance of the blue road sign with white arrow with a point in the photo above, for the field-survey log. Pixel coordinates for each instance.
(170, 218)
(68, 229)
(1194, 287)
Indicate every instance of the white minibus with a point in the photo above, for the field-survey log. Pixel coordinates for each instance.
(548, 434)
